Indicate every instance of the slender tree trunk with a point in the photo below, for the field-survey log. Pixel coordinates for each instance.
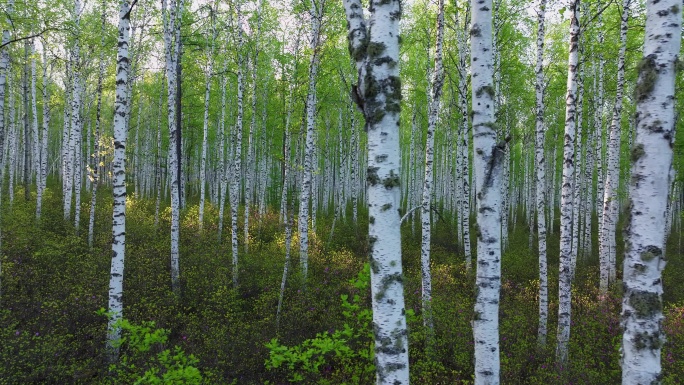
(25, 124)
(565, 274)
(119, 185)
(436, 93)
(642, 311)
(237, 146)
(158, 159)
(608, 221)
(98, 116)
(465, 132)
(172, 20)
(541, 180)
(307, 181)
(205, 140)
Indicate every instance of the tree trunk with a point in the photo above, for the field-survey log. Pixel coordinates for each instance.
(541, 180)
(565, 274)
(436, 93)
(642, 311)
(378, 95)
(119, 185)
(488, 162)
(307, 181)
(608, 221)
(98, 116)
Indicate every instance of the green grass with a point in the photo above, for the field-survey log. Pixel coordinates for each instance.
(52, 286)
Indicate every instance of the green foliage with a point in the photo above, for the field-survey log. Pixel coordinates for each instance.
(138, 363)
(347, 351)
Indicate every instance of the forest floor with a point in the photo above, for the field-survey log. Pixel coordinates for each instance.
(53, 287)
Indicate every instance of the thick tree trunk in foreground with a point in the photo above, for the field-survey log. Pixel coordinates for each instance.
(642, 311)
(488, 162)
(378, 95)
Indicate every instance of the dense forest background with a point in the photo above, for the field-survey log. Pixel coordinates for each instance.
(223, 148)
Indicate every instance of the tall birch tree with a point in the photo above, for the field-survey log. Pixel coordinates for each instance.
(541, 178)
(642, 311)
(436, 93)
(565, 274)
(374, 46)
(119, 184)
(172, 23)
(609, 218)
(316, 12)
(488, 164)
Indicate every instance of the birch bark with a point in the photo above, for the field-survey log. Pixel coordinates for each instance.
(171, 19)
(541, 179)
(652, 154)
(488, 165)
(98, 116)
(565, 274)
(237, 145)
(609, 219)
(436, 93)
(375, 49)
(205, 139)
(119, 185)
(307, 180)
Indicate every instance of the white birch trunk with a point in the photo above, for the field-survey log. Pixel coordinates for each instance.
(98, 116)
(307, 180)
(488, 162)
(436, 93)
(205, 138)
(463, 70)
(171, 20)
(609, 219)
(565, 274)
(237, 146)
(378, 95)
(119, 185)
(541, 179)
(642, 313)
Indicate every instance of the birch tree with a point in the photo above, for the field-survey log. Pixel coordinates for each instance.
(437, 83)
(609, 218)
(374, 46)
(642, 311)
(207, 90)
(98, 116)
(488, 164)
(316, 11)
(541, 178)
(565, 274)
(172, 46)
(237, 144)
(119, 185)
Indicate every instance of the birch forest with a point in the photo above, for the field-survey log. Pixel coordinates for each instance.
(341, 192)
